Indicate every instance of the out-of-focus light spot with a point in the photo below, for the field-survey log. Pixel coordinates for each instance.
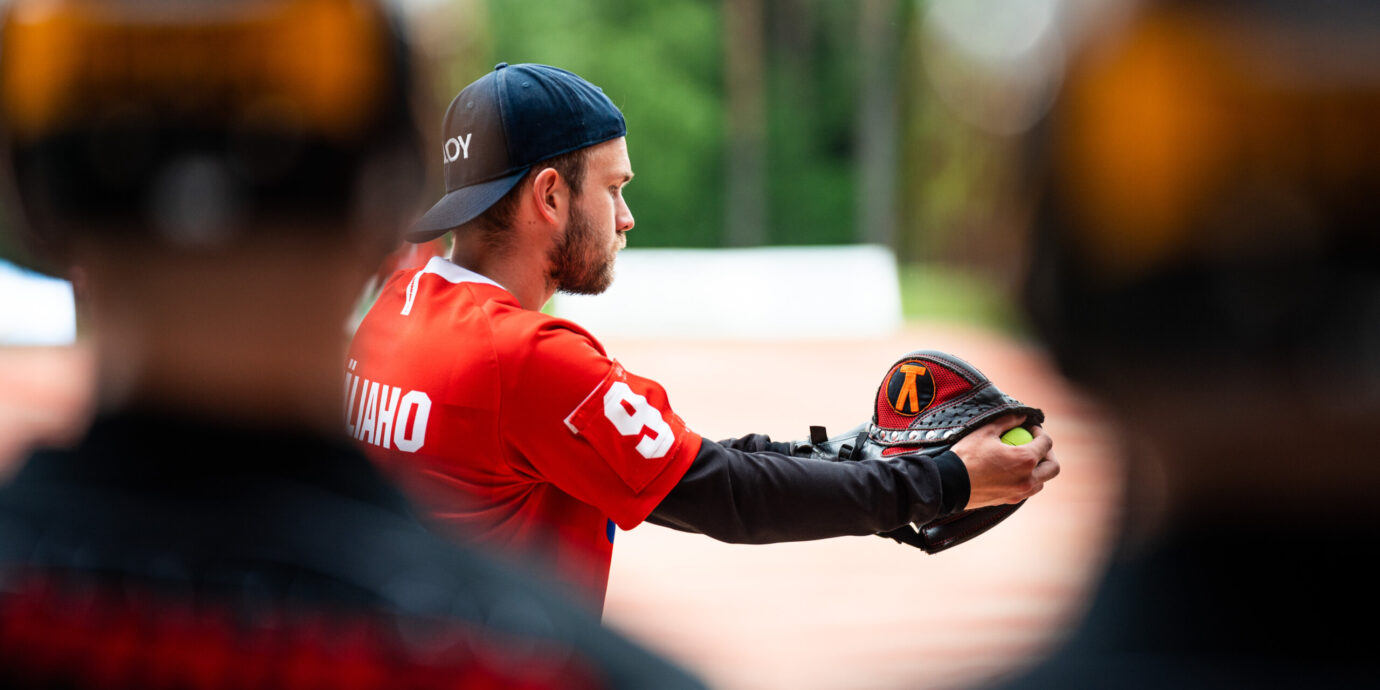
(35, 309)
(996, 63)
(994, 31)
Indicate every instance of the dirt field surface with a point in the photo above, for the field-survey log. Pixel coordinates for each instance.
(852, 613)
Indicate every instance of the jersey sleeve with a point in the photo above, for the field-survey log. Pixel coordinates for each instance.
(579, 420)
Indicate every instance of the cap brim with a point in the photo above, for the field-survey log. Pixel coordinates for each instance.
(459, 207)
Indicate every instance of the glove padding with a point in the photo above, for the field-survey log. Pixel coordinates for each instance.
(927, 401)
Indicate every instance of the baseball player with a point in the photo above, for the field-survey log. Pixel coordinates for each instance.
(519, 431)
(227, 176)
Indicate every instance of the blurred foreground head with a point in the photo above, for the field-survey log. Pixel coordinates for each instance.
(197, 125)
(1205, 265)
(1207, 244)
(218, 177)
(224, 175)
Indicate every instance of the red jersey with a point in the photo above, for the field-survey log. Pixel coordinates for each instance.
(510, 427)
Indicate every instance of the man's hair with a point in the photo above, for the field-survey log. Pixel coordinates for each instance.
(494, 223)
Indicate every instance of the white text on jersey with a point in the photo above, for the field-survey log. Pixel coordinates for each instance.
(385, 415)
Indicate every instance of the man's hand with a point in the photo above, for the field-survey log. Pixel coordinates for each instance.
(934, 405)
(999, 473)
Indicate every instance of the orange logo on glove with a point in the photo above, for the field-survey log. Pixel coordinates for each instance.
(910, 388)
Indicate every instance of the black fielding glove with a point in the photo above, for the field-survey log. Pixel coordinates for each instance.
(927, 401)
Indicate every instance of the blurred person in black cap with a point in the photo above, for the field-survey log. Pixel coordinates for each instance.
(226, 176)
(1206, 264)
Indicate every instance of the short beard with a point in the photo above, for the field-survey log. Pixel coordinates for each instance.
(578, 265)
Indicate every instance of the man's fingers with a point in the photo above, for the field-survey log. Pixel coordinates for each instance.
(1046, 470)
(1041, 445)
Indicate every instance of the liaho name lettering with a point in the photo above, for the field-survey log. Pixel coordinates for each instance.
(384, 415)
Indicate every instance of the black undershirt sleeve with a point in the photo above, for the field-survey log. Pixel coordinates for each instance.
(750, 491)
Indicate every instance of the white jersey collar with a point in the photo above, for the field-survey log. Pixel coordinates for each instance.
(455, 273)
(452, 272)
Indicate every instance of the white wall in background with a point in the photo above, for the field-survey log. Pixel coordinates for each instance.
(768, 293)
(35, 309)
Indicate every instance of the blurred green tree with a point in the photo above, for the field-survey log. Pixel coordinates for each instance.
(717, 165)
(767, 121)
(812, 104)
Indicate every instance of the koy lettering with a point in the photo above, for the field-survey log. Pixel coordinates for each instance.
(456, 147)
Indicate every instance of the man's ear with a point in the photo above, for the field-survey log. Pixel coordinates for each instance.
(550, 195)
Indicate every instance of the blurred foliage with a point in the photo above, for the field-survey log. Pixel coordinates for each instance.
(663, 64)
(943, 292)
(812, 86)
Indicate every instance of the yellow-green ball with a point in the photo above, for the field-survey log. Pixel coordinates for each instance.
(1018, 436)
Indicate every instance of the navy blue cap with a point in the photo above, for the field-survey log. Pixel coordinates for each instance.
(502, 124)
